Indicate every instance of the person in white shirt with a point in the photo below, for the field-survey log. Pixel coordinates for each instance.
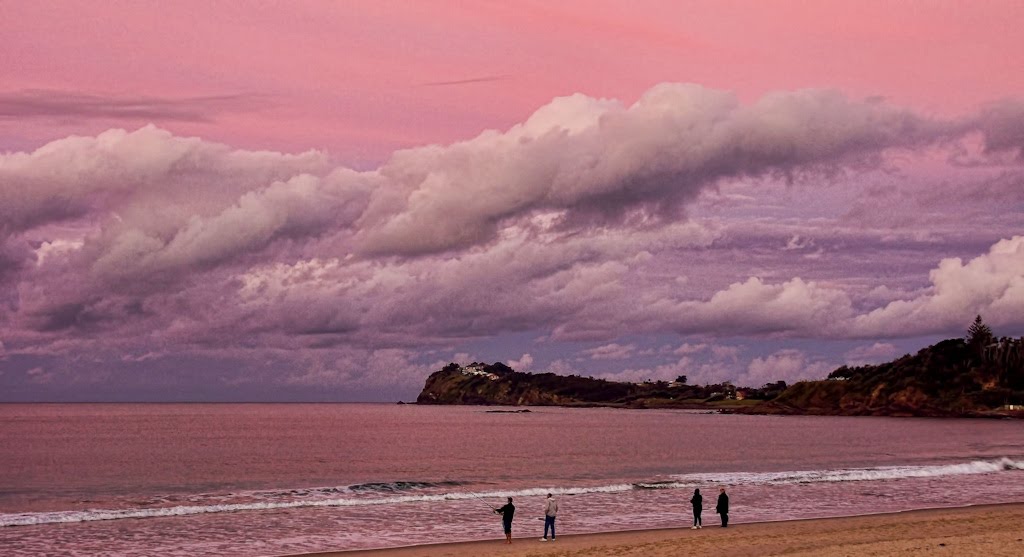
(550, 511)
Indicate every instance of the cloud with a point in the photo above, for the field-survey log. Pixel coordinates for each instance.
(39, 376)
(601, 162)
(584, 161)
(662, 372)
(703, 364)
(784, 365)
(514, 286)
(481, 79)
(43, 103)
(991, 285)
(870, 354)
(688, 348)
(1001, 124)
(148, 179)
(524, 363)
(56, 248)
(797, 242)
(561, 366)
(613, 351)
(571, 225)
(755, 306)
(356, 368)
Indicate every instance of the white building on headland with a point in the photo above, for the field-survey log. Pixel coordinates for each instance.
(477, 369)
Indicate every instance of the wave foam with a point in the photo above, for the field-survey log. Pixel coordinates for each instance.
(841, 475)
(677, 482)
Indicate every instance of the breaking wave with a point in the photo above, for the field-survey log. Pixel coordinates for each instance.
(391, 487)
(370, 487)
(838, 475)
(399, 492)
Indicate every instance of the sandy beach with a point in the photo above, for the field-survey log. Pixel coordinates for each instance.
(991, 530)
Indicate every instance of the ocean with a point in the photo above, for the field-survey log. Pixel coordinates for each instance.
(279, 479)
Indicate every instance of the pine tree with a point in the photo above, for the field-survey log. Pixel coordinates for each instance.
(978, 334)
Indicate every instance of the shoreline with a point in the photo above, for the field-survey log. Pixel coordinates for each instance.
(984, 529)
(764, 408)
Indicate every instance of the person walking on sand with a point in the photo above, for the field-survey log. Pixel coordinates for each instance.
(723, 507)
(698, 505)
(550, 510)
(507, 512)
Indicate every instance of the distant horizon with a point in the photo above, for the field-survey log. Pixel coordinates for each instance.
(274, 203)
(408, 400)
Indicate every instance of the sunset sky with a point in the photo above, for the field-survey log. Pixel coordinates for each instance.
(329, 200)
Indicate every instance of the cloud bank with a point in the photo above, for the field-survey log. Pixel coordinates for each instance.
(589, 222)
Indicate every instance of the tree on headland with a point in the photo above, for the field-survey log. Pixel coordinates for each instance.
(979, 334)
(681, 379)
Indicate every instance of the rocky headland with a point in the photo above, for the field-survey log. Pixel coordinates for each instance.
(980, 376)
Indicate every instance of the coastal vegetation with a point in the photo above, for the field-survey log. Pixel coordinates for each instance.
(975, 375)
(498, 384)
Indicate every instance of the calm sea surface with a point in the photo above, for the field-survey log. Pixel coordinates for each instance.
(274, 479)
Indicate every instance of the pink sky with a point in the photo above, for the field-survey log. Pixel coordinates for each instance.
(329, 200)
(354, 77)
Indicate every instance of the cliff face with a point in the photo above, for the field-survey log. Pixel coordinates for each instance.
(951, 378)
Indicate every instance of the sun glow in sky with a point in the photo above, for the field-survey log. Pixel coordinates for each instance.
(329, 200)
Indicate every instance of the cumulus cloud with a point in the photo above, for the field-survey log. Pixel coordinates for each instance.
(755, 306)
(584, 159)
(570, 225)
(870, 354)
(600, 161)
(786, 365)
(562, 366)
(991, 285)
(148, 177)
(524, 363)
(514, 286)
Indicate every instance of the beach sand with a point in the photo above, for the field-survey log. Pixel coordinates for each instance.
(991, 530)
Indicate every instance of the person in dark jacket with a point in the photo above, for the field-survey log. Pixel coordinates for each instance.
(723, 507)
(698, 505)
(507, 512)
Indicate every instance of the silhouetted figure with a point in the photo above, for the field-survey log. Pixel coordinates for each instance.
(507, 512)
(550, 510)
(723, 507)
(698, 505)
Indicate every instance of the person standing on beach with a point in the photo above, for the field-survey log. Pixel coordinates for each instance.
(723, 507)
(507, 512)
(698, 505)
(550, 510)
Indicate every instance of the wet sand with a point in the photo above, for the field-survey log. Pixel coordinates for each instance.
(990, 530)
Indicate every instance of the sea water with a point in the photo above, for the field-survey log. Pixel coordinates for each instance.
(275, 479)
